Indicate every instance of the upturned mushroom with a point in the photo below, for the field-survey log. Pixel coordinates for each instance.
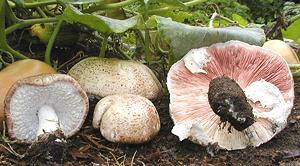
(126, 118)
(102, 77)
(45, 104)
(283, 49)
(16, 71)
(233, 94)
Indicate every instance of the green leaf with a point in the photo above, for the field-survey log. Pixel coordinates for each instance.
(183, 37)
(239, 19)
(293, 31)
(100, 23)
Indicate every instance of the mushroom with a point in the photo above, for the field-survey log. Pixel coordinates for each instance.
(102, 77)
(283, 49)
(233, 94)
(45, 104)
(126, 118)
(17, 71)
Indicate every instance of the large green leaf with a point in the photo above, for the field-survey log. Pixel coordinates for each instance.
(182, 37)
(100, 23)
(293, 31)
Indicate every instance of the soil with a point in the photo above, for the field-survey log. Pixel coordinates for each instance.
(228, 100)
(88, 147)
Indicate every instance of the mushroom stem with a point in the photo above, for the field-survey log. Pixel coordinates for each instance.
(48, 120)
(228, 101)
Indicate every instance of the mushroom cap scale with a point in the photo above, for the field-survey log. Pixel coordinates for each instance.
(103, 77)
(127, 118)
(260, 72)
(60, 92)
(16, 71)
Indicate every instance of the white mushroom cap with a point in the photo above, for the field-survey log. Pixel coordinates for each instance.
(127, 118)
(103, 77)
(53, 96)
(262, 74)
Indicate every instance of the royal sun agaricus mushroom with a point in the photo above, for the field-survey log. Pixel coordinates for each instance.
(45, 104)
(283, 49)
(233, 94)
(126, 118)
(102, 77)
(16, 71)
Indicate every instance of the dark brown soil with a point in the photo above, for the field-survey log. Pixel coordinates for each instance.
(228, 100)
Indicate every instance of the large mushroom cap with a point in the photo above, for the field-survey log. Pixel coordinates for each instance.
(264, 77)
(58, 93)
(103, 77)
(16, 71)
(126, 118)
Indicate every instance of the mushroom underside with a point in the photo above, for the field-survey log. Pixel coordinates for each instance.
(258, 72)
(33, 110)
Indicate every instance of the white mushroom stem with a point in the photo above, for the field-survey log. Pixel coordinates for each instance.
(48, 120)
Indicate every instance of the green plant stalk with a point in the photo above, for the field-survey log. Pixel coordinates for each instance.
(41, 12)
(25, 23)
(35, 4)
(3, 44)
(47, 57)
(103, 46)
(147, 36)
(109, 6)
(10, 14)
(187, 4)
(294, 66)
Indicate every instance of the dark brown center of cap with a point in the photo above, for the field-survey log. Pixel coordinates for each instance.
(228, 101)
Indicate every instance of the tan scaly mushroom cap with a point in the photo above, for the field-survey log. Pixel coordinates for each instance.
(33, 103)
(283, 49)
(103, 77)
(264, 77)
(127, 118)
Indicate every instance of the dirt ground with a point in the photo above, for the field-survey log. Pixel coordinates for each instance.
(88, 147)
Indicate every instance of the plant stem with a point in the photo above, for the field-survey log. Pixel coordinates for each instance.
(3, 44)
(187, 4)
(103, 46)
(41, 12)
(294, 66)
(109, 6)
(147, 36)
(25, 23)
(35, 4)
(10, 14)
(47, 57)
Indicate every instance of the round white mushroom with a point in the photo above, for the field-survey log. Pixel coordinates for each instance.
(257, 77)
(44, 104)
(103, 77)
(127, 118)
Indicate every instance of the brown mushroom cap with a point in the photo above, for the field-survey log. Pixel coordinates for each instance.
(262, 74)
(103, 77)
(126, 118)
(16, 71)
(60, 92)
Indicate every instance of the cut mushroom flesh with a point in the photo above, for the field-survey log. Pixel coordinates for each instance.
(264, 77)
(45, 103)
